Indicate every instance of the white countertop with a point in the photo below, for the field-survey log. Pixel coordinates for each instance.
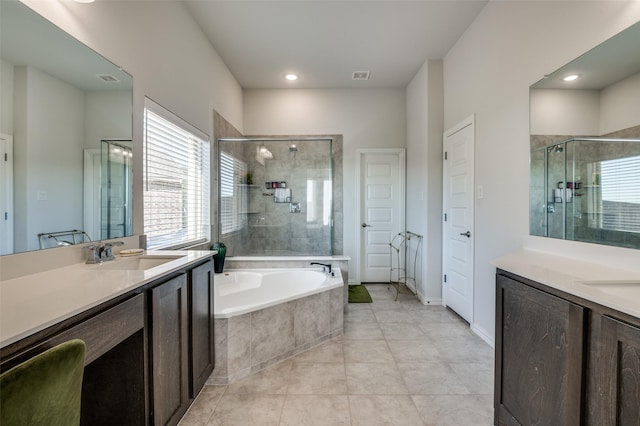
(31, 303)
(615, 288)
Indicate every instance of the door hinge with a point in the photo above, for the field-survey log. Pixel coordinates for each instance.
(445, 155)
(445, 217)
(6, 216)
(6, 156)
(445, 278)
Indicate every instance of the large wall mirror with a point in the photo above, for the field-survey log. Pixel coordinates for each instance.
(585, 146)
(66, 130)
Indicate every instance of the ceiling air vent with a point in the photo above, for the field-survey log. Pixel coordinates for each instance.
(107, 78)
(360, 75)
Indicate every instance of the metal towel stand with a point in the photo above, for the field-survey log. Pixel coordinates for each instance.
(400, 244)
(76, 237)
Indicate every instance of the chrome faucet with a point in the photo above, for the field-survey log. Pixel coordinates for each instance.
(326, 267)
(101, 252)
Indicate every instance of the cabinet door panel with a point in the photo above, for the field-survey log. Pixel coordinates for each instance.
(170, 364)
(621, 382)
(539, 356)
(202, 335)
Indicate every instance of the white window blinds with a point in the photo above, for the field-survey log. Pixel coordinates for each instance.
(232, 194)
(620, 194)
(176, 181)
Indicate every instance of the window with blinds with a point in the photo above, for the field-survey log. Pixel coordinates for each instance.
(176, 181)
(620, 184)
(232, 196)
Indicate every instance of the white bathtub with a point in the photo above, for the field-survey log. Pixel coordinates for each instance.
(239, 292)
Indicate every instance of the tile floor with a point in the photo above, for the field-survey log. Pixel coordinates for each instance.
(398, 363)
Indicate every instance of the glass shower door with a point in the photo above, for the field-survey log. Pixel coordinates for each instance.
(115, 189)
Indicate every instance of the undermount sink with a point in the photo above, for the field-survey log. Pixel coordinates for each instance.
(138, 263)
(623, 288)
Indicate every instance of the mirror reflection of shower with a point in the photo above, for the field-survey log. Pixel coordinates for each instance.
(275, 196)
(116, 180)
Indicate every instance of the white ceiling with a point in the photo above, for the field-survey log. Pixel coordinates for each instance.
(326, 41)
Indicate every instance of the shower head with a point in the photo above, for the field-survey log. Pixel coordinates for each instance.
(293, 148)
(559, 148)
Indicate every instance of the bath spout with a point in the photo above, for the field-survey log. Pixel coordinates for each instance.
(326, 267)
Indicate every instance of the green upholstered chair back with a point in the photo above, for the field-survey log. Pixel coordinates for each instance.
(46, 389)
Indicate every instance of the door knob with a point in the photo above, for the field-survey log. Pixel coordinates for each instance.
(466, 234)
(365, 225)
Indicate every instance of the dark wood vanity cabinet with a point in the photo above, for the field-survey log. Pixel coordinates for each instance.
(539, 356)
(613, 395)
(562, 360)
(182, 346)
(169, 321)
(201, 344)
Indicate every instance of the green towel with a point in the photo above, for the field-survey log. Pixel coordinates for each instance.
(359, 294)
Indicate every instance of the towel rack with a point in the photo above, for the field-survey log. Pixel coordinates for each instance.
(74, 236)
(400, 244)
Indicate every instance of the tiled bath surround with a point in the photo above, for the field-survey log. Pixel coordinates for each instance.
(251, 342)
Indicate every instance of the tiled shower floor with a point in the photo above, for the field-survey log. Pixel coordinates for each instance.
(398, 363)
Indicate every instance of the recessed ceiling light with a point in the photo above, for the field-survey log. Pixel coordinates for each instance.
(84, 1)
(571, 77)
(292, 77)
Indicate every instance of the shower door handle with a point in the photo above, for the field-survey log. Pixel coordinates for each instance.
(365, 225)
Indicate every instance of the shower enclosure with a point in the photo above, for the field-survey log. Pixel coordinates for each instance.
(275, 196)
(115, 189)
(587, 189)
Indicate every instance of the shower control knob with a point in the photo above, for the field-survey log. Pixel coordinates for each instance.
(365, 225)
(466, 234)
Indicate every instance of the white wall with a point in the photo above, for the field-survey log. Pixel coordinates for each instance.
(366, 119)
(533, 38)
(565, 112)
(170, 59)
(107, 116)
(424, 175)
(620, 105)
(6, 97)
(48, 156)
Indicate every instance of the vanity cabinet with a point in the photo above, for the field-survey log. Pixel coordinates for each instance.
(539, 356)
(169, 321)
(182, 341)
(201, 344)
(563, 360)
(149, 351)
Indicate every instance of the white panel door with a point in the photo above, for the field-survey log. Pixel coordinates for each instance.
(6, 194)
(457, 286)
(381, 209)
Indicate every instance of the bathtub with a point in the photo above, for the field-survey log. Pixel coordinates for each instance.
(262, 316)
(241, 291)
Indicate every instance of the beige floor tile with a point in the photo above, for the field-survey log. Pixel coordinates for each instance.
(437, 330)
(455, 410)
(317, 379)
(432, 378)
(460, 349)
(248, 409)
(374, 379)
(367, 351)
(316, 410)
(359, 315)
(477, 377)
(202, 408)
(413, 350)
(326, 352)
(371, 410)
(393, 315)
(270, 381)
(402, 331)
(362, 331)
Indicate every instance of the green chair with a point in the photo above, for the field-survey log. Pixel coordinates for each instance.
(46, 389)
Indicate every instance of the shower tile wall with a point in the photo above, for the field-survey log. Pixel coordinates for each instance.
(268, 227)
(580, 159)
